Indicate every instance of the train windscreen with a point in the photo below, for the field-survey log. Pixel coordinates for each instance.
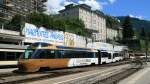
(28, 54)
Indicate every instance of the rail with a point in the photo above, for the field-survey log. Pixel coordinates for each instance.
(112, 77)
(13, 78)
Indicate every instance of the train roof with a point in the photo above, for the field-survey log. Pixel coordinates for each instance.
(46, 45)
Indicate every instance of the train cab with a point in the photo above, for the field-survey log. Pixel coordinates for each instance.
(44, 55)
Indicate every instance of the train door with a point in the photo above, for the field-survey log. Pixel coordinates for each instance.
(110, 58)
(114, 57)
(98, 55)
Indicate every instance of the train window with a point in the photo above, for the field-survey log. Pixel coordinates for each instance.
(39, 55)
(97, 54)
(109, 55)
(45, 54)
(59, 53)
(70, 54)
(2, 56)
(90, 55)
(84, 55)
(121, 54)
(78, 54)
(50, 54)
(18, 54)
(28, 54)
(73, 54)
(116, 55)
(104, 54)
(10, 56)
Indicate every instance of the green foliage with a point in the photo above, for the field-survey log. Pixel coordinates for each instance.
(141, 29)
(148, 36)
(16, 23)
(142, 34)
(128, 32)
(138, 23)
(112, 22)
(73, 25)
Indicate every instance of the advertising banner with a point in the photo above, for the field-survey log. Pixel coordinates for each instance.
(70, 39)
(80, 42)
(34, 34)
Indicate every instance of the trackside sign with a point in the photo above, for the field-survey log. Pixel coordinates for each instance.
(35, 34)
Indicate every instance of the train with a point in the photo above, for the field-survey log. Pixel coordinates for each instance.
(8, 57)
(44, 55)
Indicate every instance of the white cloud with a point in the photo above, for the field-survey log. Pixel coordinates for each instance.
(53, 6)
(93, 3)
(112, 1)
(135, 16)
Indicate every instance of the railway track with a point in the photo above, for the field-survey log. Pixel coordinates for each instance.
(114, 79)
(15, 78)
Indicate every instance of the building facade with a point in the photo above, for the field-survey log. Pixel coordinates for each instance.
(114, 33)
(10, 46)
(9, 8)
(11, 42)
(93, 20)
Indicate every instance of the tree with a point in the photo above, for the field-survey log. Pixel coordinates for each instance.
(55, 22)
(128, 32)
(142, 34)
(148, 35)
(112, 22)
(16, 23)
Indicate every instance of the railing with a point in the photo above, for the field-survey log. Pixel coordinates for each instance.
(4, 31)
(11, 46)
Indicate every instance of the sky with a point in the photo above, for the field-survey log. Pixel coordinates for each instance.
(134, 8)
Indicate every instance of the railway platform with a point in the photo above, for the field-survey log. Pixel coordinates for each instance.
(140, 77)
(6, 70)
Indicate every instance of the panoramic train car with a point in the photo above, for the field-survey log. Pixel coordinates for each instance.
(9, 57)
(44, 55)
(106, 51)
(109, 52)
(119, 53)
(106, 57)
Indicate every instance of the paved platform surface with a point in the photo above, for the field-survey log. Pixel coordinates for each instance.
(63, 79)
(7, 70)
(140, 77)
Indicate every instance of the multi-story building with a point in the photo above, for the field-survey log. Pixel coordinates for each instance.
(93, 20)
(9, 8)
(11, 42)
(114, 33)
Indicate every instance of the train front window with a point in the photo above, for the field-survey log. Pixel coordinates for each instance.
(43, 54)
(28, 54)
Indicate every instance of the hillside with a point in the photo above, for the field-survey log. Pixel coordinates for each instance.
(137, 23)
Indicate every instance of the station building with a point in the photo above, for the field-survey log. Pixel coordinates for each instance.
(10, 46)
(11, 42)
